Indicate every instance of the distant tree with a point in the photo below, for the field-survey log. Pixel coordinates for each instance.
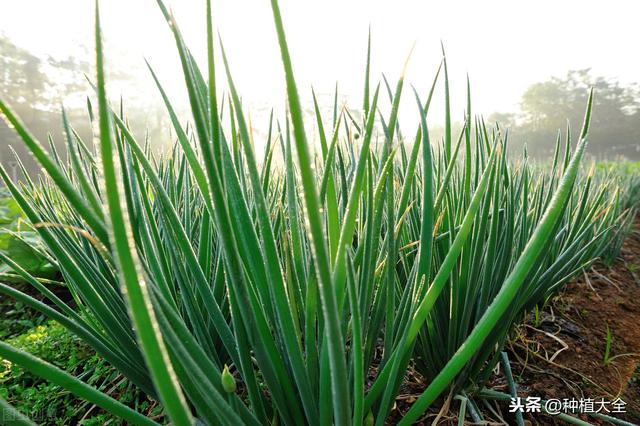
(22, 81)
(36, 88)
(505, 119)
(548, 106)
(24, 86)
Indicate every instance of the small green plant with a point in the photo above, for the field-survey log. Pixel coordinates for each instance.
(537, 318)
(17, 318)
(607, 348)
(50, 403)
(608, 358)
(20, 242)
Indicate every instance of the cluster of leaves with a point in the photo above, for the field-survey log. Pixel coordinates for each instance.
(20, 242)
(51, 404)
(16, 318)
(628, 174)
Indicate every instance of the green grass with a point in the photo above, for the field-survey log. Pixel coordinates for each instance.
(51, 404)
(240, 291)
(16, 317)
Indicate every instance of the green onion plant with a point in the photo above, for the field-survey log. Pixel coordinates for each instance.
(238, 290)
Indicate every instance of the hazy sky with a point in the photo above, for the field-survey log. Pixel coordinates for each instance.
(503, 45)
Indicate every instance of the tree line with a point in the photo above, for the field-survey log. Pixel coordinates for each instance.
(36, 88)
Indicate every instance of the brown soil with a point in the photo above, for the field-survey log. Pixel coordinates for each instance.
(562, 354)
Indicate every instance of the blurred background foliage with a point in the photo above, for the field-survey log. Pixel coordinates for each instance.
(547, 106)
(37, 86)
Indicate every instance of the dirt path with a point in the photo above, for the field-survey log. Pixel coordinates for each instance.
(562, 353)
